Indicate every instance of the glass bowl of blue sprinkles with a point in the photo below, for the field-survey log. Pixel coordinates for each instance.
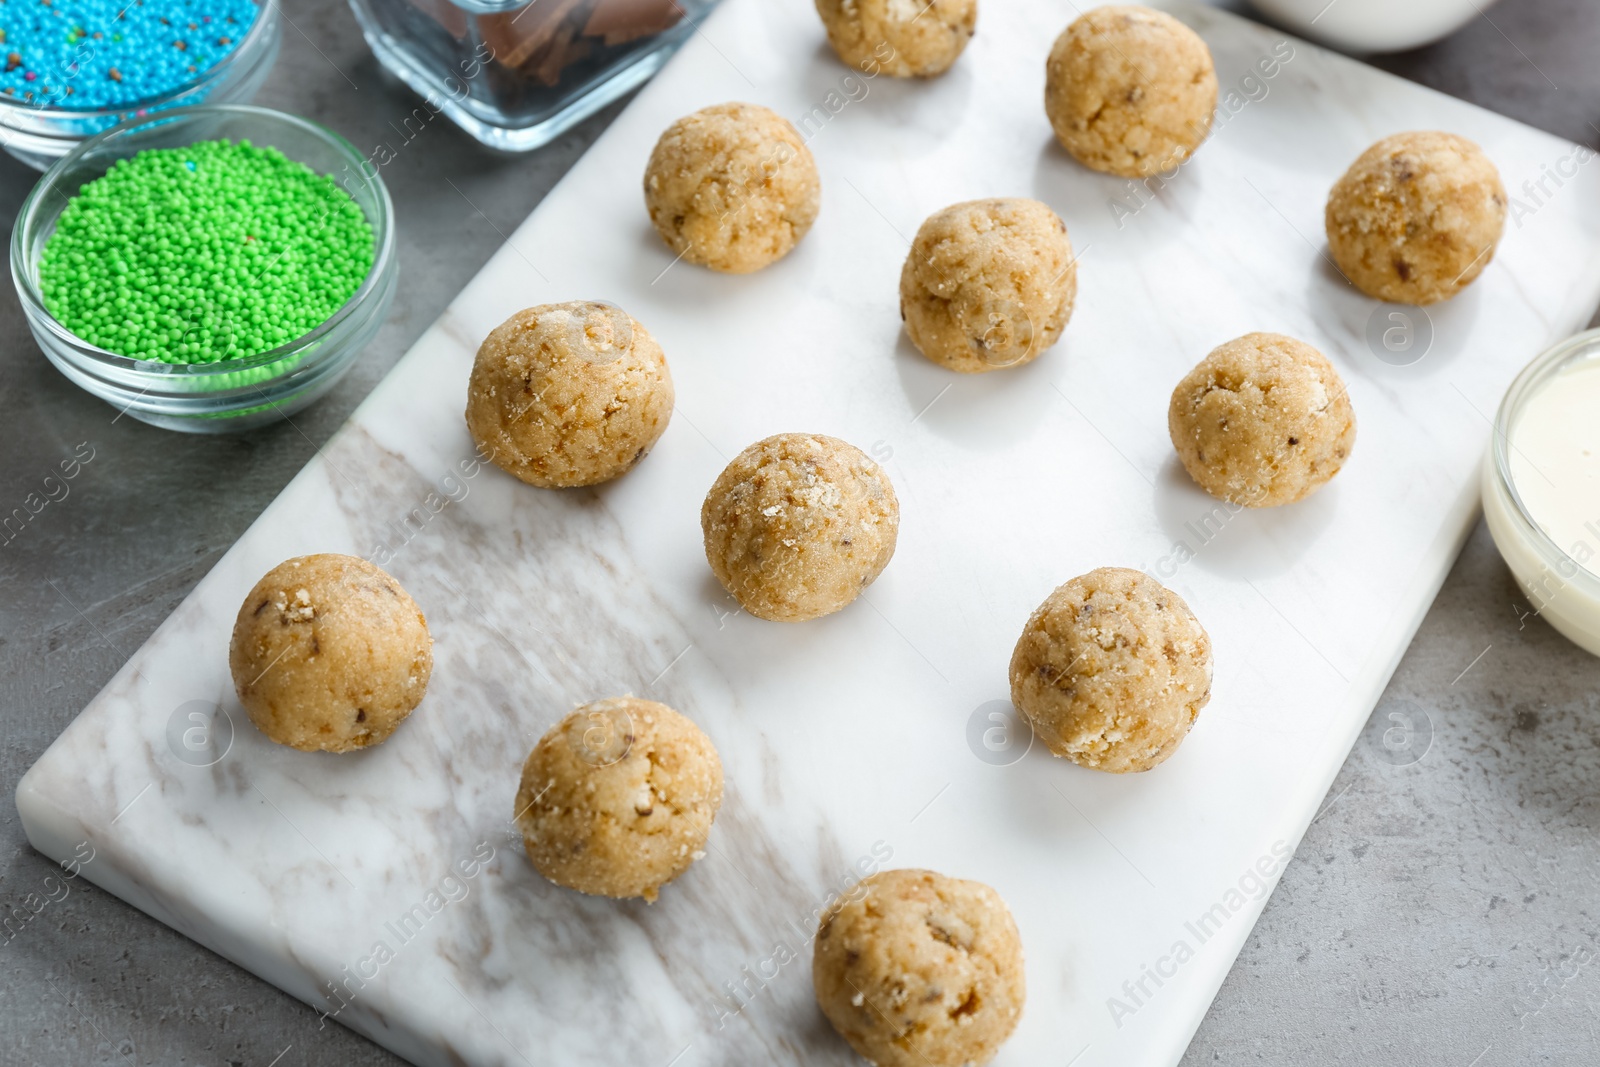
(70, 69)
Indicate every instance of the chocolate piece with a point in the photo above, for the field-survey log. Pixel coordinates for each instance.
(620, 21)
(514, 38)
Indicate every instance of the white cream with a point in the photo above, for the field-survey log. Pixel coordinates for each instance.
(1555, 460)
(1541, 486)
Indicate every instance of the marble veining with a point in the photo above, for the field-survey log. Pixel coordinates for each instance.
(388, 890)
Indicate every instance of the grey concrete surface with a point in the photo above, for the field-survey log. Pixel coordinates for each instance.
(1441, 909)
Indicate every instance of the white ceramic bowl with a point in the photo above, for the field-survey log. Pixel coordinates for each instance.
(1374, 25)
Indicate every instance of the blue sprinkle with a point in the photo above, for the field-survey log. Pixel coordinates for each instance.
(91, 54)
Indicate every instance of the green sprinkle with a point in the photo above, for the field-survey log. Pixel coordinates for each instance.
(221, 250)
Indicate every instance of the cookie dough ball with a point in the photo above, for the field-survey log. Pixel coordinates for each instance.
(568, 394)
(329, 654)
(1112, 670)
(988, 284)
(798, 525)
(902, 38)
(732, 187)
(1416, 218)
(1130, 91)
(618, 798)
(915, 969)
(1263, 420)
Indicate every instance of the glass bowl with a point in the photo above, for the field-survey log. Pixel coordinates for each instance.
(517, 73)
(39, 135)
(233, 394)
(1558, 585)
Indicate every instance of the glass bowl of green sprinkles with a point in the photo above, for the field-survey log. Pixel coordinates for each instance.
(70, 69)
(207, 269)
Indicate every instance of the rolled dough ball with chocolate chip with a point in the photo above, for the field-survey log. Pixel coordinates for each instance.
(618, 798)
(1130, 91)
(1263, 420)
(1111, 670)
(901, 38)
(329, 654)
(988, 284)
(916, 969)
(569, 394)
(732, 187)
(1416, 217)
(798, 525)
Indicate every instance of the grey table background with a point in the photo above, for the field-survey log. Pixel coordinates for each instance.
(1440, 910)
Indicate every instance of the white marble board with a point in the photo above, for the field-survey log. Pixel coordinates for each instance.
(846, 740)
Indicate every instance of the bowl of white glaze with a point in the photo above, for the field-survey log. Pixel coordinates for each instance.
(1374, 25)
(1541, 487)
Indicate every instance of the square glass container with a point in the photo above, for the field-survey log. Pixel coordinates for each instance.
(515, 74)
